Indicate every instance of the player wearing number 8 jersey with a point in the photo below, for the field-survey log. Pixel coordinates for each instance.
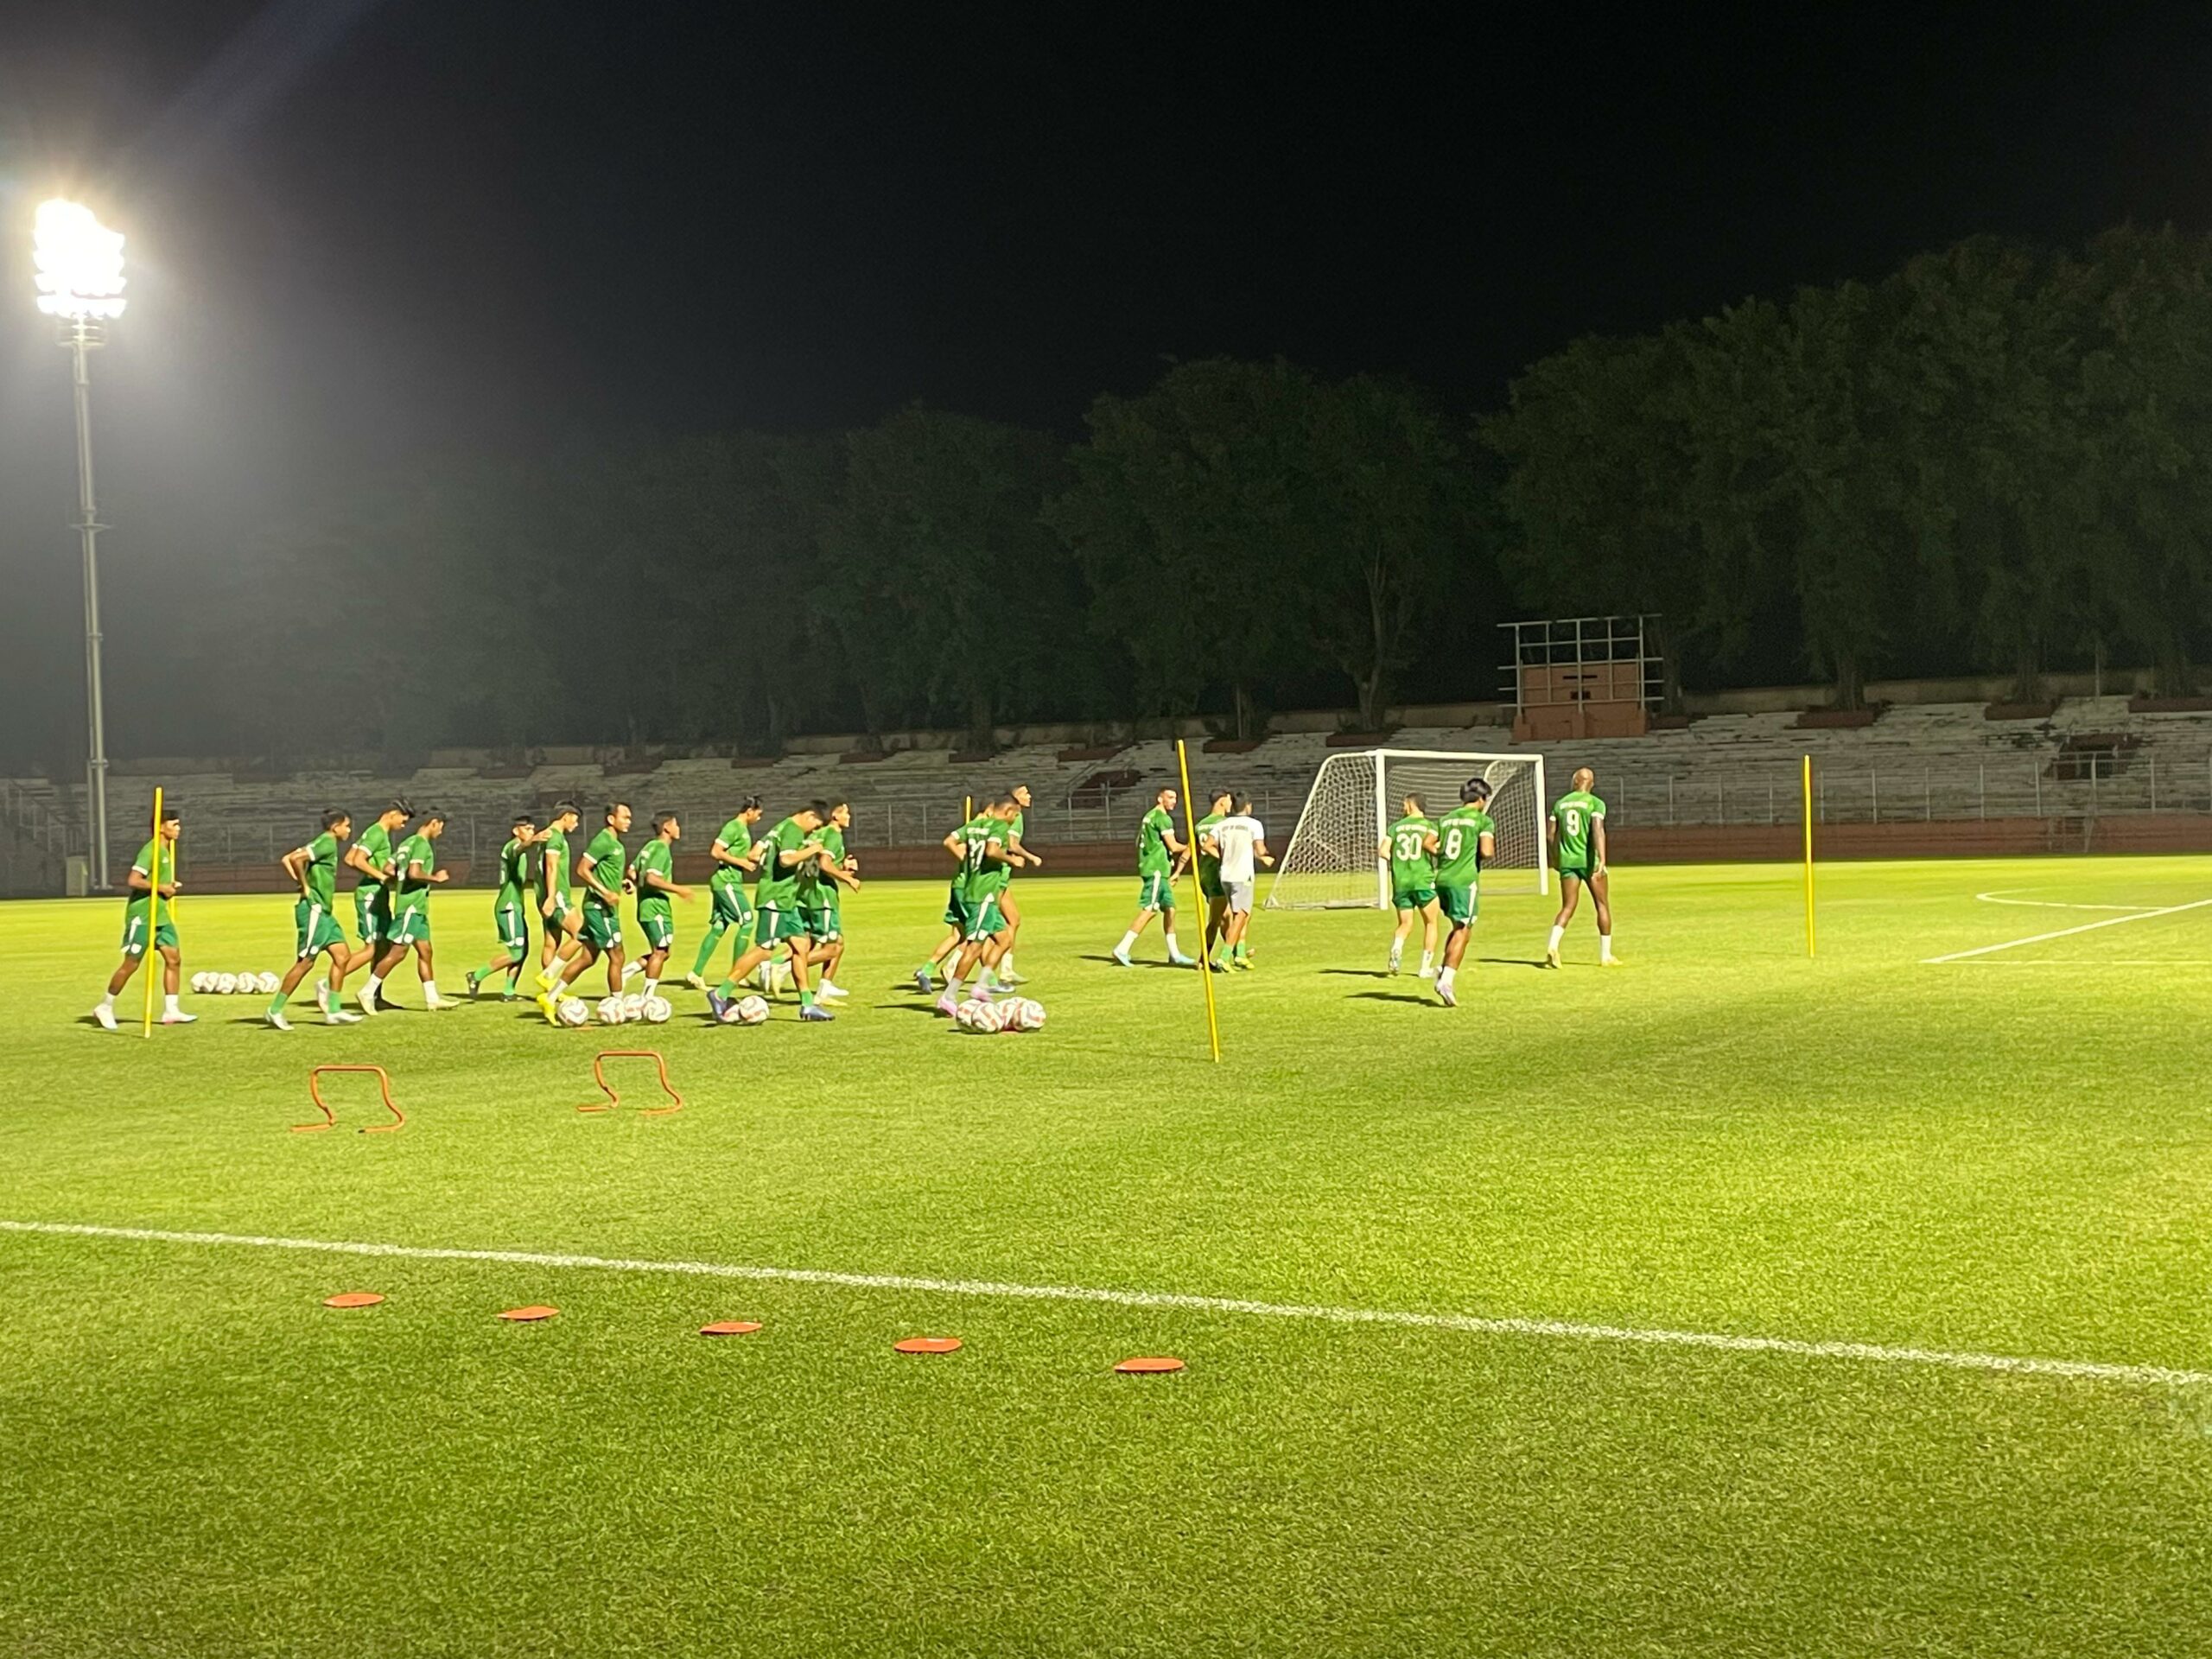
(1577, 838)
(1466, 840)
(1408, 847)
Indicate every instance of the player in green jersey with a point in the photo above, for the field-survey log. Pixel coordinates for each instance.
(1466, 841)
(369, 859)
(313, 870)
(415, 872)
(735, 858)
(1160, 855)
(509, 906)
(558, 918)
(147, 920)
(778, 920)
(601, 869)
(1577, 838)
(652, 878)
(819, 888)
(1409, 850)
(1020, 857)
(1217, 809)
(979, 844)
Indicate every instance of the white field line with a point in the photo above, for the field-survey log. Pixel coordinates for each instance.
(2081, 964)
(1870, 1352)
(1998, 898)
(2063, 933)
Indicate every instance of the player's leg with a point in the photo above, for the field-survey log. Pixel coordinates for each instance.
(1012, 913)
(315, 934)
(1570, 896)
(418, 933)
(1428, 919)
(1458, 907)
(1149, 891)
(1406, 914)
(1217, 928)
(165, 946)
(1601, 901)
(136, 925)
(766, 929)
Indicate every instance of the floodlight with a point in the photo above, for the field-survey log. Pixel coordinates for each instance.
(79, 263)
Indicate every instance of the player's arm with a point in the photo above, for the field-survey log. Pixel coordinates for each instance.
(955, 845)
(587, 873)
(419, 877)
(721, 854)
(657, 882)
(548, 870)
(1485, 847)
(1260, 851)
(355, 859)
(1597, 843)
(295, 865)
(138, 880)
(1021, 854)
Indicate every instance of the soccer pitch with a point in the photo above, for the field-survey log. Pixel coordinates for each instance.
(1677, 1309)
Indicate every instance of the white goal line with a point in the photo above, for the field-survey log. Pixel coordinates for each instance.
(1476, 1324)
(2060, 933)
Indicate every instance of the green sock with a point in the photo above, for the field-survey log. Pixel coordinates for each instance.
(806, 999)
(276, 1002)
(715, 932)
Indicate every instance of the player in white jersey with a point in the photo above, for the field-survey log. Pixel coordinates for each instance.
(1239, 841)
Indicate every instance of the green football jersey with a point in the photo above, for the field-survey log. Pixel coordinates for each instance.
(826, 888)
(156, 862)
(736, 836)
(321, 871)
(1411, 866)
(410, 888)
(1459, 846)
(1574, 813)
(654, 858)
(553, 847)
(376, 847)
(778, 882)
(1153, 855)
(1208, 863)
(991, 873)
(514, 872)
(606, 856)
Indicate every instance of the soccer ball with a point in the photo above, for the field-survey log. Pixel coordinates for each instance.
(980, 1016)
(268, 983)
(610, 1011)
(751, 1011)
(247, 982)
(572, 1011)
(226, 984)
(633, 1005)
(1025, 1015)
(202, 983)
(654, 1010)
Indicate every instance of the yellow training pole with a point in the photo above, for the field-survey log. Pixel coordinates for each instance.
(153, 918)
(1206, 965)
(1809, 856)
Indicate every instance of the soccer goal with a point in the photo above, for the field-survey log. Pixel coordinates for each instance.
(1330, 861)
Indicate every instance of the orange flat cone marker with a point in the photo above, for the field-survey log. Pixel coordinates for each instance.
(1146, 1363)
(529, 1315)
(730, 1328)
(353, 1299)
(927, 1345)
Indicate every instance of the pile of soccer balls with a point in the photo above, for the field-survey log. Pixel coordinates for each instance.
(627, 1010)
(236, 984)
(1016, 1013)
(747, 1011)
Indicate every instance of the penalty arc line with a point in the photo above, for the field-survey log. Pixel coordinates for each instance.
(1470, 1323)
(2083, 927)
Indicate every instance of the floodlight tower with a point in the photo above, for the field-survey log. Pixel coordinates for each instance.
(80, 282)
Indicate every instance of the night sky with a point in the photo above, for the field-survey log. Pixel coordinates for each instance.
(362, 230)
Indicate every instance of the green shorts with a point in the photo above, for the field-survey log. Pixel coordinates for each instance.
(659, 926)
(314, 929)
(822, 921)
(984, 919)
(1209, 886)
(1155, 891)
(1412, 898)
(728, 893)
(508, 923)
(955, 907)
(409, 927)
(1574, 872)
(772, 924)
(602, 928)
(372, 911)
(552, 924)
(1458, 902)
(134, 930)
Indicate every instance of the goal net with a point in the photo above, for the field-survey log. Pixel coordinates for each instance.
(1330, 861)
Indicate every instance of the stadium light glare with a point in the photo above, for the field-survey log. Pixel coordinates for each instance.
(79, 265)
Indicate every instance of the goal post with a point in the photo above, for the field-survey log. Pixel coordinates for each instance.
(1330, 861)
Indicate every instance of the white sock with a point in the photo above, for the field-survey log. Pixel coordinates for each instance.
(169, 1004)
(1005, 964)
(1604, 947)
(1428, 960)
(1558, 933)
(1127, 939)
(108, 1002)
(430, 990)
(1397, 951)
(1444, 979)
(1173, 948)
(375, 984)
(653, 986)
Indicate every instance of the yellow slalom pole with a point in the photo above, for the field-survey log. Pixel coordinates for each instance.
(1809, 949)
(1191, 830)
(153, 916)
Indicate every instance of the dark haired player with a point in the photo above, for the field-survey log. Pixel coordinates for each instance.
(1466, 841)
(313, 870)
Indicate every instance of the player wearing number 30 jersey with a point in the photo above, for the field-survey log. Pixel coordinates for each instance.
(1578, 837)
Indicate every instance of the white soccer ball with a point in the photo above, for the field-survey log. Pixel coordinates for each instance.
(267, 984)
(978, 1015)
(573, 1011)
(654, 1010)
(247, 982)
(633, 1005)
(1023, 1013)
(751, 1011)
(203, 982)
(226, 984)
(610, 1011)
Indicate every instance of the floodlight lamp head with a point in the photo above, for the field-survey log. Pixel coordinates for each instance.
(79, 263)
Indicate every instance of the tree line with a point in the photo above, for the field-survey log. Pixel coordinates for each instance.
(1995, 458)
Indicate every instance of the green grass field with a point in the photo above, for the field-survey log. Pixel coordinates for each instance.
(2008, 1155)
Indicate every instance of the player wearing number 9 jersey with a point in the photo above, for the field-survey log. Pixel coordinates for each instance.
(1578, 837)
